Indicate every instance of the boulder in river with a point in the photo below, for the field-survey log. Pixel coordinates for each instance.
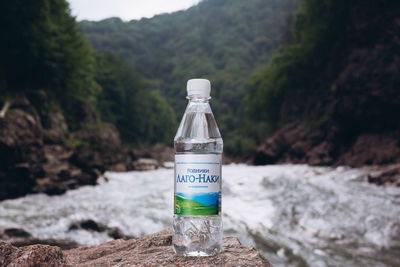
(385, 175)
(145, 164)
(91, 225)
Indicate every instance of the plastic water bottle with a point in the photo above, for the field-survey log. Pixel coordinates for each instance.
(197, 226)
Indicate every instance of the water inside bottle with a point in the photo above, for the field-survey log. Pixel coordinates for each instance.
(198, 235)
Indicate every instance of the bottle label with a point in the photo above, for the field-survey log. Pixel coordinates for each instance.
(197, 184)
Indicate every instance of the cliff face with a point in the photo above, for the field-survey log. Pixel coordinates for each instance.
(150, 250)
(356, 120)
(39, 154)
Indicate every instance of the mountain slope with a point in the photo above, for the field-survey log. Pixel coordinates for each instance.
(343, 65)
(224, 41)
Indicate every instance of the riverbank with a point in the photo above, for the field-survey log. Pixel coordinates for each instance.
(41, 154)
(327, 145)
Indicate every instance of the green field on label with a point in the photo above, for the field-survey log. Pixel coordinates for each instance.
(184, 206)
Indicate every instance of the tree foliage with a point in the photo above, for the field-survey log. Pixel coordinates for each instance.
(294, 71)
(140, 114)
(222, 40)
(42, 48)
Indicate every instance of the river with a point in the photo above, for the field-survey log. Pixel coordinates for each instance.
(295, 215)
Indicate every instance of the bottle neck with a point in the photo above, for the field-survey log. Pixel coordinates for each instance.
(198, 99)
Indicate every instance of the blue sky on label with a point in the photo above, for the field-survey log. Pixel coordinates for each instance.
(125, 9)
(210, 199)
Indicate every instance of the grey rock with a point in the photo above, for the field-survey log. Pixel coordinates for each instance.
(145, 164)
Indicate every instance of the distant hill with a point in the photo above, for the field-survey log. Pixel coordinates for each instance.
(224, 41)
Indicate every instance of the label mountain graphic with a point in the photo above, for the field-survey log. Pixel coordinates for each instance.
(185, 206)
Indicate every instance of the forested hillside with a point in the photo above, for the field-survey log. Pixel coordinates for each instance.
(140, 114)
(303, 67)
(44, 50)
(60, 103)
(333, 89)
(224, 41)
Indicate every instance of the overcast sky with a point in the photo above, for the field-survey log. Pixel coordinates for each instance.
(125, 9)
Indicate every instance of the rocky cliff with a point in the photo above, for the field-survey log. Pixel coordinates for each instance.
(150, 250)
(355, 120)
(39, 154)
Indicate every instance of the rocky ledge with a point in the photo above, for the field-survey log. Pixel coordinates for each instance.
(40, 153)
(324, 145)
(150, 250)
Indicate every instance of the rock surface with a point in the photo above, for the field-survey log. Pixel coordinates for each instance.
(389, 174)
(150, 250)
(36, 255)
(20, 238)
(21, 153)
(324, 145)
(161, 153)
(39, 154)
(145, 164)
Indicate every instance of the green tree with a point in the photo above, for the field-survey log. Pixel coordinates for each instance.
(42, 48)
(140, 114)
(292, 75)
(222, 40)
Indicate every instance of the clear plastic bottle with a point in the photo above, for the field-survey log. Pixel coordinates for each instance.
(197, 226)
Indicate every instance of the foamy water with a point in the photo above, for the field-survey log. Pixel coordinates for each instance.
(295, 215)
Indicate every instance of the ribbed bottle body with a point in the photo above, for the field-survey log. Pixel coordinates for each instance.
(197, 224)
